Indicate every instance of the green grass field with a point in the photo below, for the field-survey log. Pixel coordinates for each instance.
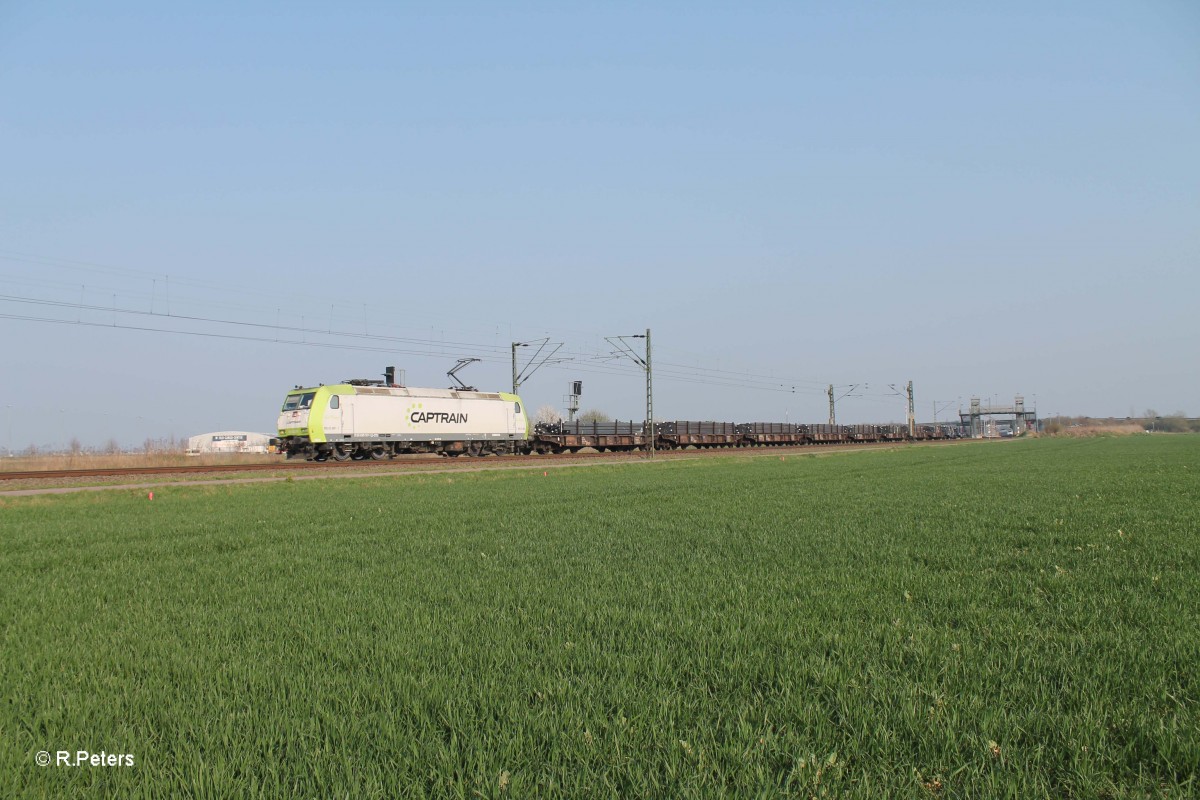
(1017, 619)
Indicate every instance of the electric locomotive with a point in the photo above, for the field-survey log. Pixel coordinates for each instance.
(363, 419)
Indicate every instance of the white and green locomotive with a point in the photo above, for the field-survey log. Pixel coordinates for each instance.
(374, 419)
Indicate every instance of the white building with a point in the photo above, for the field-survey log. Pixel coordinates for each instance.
(229, 442)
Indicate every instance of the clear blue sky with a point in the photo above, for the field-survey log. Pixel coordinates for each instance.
(987, 199)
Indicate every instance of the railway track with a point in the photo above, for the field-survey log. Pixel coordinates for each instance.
(185, 469)
(401, 462)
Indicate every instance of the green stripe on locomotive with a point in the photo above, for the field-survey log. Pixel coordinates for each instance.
(512, 398)
(315, 429)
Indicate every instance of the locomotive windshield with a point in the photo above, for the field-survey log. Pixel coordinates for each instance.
(296, 402)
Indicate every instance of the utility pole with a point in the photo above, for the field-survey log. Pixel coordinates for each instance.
(912, 413)
(515, 345)
(833, 400)
(534, 364)
(939, 406)
(624, 349)
(911, 408)
(649, 400)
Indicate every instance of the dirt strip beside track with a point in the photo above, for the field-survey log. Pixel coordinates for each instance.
(324, 476)
(481, 467)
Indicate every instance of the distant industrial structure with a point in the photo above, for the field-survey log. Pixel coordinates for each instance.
(979, 420)
(230, 442)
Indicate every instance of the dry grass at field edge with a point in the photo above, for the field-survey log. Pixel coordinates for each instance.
(50, 463)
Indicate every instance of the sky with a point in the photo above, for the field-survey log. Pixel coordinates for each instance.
(205, 204)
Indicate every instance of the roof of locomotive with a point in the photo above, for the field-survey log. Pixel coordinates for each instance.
(405, 391)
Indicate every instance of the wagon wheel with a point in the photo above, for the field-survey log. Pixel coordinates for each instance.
(474, 449)
(501, 448)
(379, 453)
(341, 452)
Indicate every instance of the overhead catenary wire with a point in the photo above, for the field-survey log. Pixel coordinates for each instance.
(435, 347)
(360, 311)
(213, 335)
(440, 350)
(218, 321)
(411, 345)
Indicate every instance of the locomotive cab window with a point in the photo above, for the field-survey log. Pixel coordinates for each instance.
(297, 402)
(517, 407)
(334, 402)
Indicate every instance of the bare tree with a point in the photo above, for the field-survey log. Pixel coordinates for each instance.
(75, 447)
(594, 415)
(1174, 423)
(113, 447)
(547, 415)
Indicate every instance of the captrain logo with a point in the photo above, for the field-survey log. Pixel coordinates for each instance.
(415, 416)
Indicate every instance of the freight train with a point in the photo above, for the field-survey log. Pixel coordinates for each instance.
(369, 419)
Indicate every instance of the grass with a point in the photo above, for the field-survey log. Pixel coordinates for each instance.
(1096, 428)
(49, 463)
(1017, 619)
